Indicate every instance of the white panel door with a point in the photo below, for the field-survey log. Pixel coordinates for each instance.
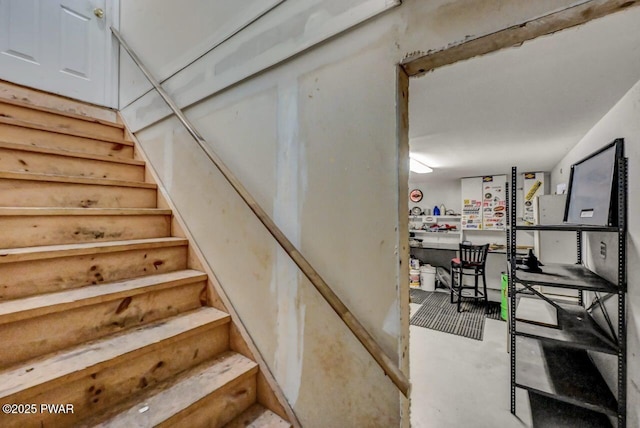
(59, 46)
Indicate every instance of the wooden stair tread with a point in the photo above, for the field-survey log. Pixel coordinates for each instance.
(30, 135)
(69, 226)
(16, 110)
(173, 396)
(257, 416)
(32, 96)
(71, 363)
(66, 250)
(68, 153)
(15, 310)
(34, 125)
(60, 112)
(55, 211)
(74, 180)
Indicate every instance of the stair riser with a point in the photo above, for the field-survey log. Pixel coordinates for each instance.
(219, 408)
(32, 337)
(53, 140)
(28, 278)
(28, 193)
(94, 389)
(62, 123)
(28, 231)
(40, 163)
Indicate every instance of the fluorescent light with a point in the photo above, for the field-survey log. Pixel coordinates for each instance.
(418, 167)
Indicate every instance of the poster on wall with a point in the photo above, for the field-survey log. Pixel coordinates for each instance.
(471, 191)
(533, 186)
(471, 215)
(494, 205)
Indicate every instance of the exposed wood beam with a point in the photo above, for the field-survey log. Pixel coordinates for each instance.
(516, 35)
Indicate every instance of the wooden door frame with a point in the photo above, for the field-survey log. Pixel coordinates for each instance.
(572, 16)
(112, 52)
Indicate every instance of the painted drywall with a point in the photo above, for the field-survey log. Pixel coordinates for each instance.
(621, 121)
(189, 29)
(287, 30)
(308, 348)
(314, 139)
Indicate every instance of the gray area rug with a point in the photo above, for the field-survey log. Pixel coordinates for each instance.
(437, 313)
(418, 296)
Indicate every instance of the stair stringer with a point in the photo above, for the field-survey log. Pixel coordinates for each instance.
(269, 393)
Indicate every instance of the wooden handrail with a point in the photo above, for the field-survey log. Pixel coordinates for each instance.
(356, 327)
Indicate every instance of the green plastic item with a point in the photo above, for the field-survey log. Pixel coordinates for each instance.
(504, 305)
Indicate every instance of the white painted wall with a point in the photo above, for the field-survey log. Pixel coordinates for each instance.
(438, 192)
(314, 139)
(621, 121)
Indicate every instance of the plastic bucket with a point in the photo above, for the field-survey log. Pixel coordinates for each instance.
(414, 278)
(504, 304)
(428, 278)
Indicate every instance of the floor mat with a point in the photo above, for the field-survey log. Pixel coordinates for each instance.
(418, 296)
(437, 313)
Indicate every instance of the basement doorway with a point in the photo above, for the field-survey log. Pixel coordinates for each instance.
(469, 123)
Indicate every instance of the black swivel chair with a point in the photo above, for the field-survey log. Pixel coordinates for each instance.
(472, 262)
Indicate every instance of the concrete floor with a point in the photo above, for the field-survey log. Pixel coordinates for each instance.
(459, 382)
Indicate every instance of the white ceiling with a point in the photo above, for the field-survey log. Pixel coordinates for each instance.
(524, 106)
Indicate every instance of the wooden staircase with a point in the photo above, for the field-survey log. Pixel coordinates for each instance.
(101, 310)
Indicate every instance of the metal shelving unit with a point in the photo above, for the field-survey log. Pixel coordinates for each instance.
(553, 364)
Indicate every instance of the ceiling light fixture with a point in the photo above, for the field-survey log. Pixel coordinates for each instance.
(418, 167)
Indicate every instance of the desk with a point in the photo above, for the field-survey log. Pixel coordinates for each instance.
(439, 254)
(435, 254)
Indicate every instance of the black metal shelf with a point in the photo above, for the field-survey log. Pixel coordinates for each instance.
(568, 228)
(544, 369)
(576, 329)
(553, 363)
(566, 276)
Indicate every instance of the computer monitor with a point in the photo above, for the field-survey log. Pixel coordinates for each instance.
(592, 198)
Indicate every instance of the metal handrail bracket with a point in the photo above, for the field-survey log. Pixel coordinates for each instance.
(359, 331)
